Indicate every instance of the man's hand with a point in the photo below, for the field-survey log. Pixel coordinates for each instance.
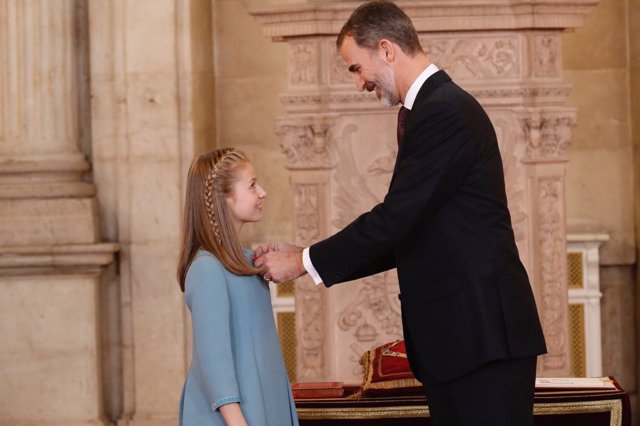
(282, 261)
(274, 246)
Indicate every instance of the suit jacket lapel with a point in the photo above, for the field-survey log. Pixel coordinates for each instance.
(428, 87)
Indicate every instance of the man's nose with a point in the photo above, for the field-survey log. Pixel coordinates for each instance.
(360, 83)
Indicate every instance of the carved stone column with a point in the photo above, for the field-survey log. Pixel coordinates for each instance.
(51, 259)
(505, 54)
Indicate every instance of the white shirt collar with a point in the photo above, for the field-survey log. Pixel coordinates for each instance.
(417, 84)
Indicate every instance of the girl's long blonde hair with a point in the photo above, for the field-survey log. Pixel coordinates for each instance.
(207, 220)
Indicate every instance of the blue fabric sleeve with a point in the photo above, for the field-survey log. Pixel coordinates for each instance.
(208, 299)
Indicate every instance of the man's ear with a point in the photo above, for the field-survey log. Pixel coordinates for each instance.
(387, 49)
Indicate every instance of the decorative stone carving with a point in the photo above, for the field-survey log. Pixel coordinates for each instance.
(306, 214)
(551, 243)
(547, 55)
(303, 64)
(339, 72)
(548, 134)
(378, 297)
(311, 335)
(306, 143)
(309, 299)
(476, 57)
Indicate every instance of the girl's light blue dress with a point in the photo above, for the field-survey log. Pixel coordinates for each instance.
(236, 354)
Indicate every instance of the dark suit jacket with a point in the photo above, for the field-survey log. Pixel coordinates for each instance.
(465, 295)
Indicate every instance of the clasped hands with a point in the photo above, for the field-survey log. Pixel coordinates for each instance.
(279, 262)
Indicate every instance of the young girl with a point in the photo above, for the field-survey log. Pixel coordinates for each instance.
(237, 375)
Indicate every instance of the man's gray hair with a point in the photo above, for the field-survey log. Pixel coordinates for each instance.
(379, 19)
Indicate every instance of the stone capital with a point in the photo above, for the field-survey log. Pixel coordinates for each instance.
(306, 141)
(547, 134)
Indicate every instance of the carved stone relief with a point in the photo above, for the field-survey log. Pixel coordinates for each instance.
(551, 248)
(548, 134)
(476, 57)
(311, 331)
(547, 55)
(508, 57)
(372, 317)
(369, 309)
(309, 299)
(303, 64)
(306, 213)
(339, 73)
(306, 142)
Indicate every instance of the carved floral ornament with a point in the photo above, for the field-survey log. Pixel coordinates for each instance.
(476, 58)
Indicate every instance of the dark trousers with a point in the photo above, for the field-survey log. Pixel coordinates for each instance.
(499, 393)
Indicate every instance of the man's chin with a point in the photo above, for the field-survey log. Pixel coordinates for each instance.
(388, 103)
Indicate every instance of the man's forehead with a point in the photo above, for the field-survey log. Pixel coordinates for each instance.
(352, 54)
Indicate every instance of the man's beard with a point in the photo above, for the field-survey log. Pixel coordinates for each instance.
(388, 96)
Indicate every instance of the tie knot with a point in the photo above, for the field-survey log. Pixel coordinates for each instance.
(403, 113)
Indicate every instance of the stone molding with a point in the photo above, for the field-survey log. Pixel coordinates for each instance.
(311, 19)
(50, 259)
(43, 176)
(346, 100)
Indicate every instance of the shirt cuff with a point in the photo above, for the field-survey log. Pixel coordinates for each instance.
(306, 260)
(216, 405)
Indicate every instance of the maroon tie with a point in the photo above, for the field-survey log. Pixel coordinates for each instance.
(403, 113)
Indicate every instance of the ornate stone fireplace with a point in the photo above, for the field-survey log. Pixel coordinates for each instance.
(340, 146)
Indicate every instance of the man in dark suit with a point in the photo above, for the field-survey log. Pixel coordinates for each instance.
(470, 322)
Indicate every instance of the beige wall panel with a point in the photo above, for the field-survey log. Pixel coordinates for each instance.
(241, 48)
(618, 348)
(157, 51)
(600, 200)
(601, 43)
(48, 357)
(600, 184)
(601, 96)
(251, 72)
(152, 128)
(158, 328)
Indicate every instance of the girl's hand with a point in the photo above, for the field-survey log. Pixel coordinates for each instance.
(233, 414)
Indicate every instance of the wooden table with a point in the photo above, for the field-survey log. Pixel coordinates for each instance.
(552, 407)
